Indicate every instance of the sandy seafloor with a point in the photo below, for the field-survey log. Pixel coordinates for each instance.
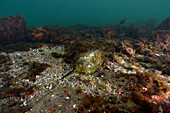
(63, 96)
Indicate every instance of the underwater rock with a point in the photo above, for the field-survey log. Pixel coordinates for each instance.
(161, 39)
(41, 34)
(164, 25)
(108, 31)
(12, 29)
(135, 31)
(150, 89)
(49, 34)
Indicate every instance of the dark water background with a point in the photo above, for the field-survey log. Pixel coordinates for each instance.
(92, 12)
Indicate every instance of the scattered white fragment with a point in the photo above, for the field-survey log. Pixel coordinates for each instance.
(24, 103)
(67, 98)
(74, 106)
(59, 105)
(50, 86)
(157, 54)
(31, 96)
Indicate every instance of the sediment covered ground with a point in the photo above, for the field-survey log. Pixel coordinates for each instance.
(133, 75)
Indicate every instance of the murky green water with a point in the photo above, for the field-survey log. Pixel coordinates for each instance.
(92, 12)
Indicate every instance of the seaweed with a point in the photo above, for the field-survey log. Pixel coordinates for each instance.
(20, 109)
(97, 104)
(149, 89)
(58, 55)
(35, 69)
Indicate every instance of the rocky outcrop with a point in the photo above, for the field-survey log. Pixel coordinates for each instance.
(164, 25)
(12, 29)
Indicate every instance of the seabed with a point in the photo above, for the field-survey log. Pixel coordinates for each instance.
(134, 76)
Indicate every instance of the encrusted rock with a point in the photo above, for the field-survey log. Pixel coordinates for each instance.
(165, 25)
(12, 29)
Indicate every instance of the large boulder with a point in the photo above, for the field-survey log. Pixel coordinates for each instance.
(12, 29)
(164, 25)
